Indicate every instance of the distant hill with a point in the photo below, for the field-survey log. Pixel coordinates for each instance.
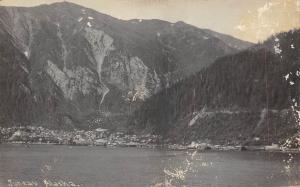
(241, 98)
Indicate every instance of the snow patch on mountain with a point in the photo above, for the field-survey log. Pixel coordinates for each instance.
(292, 46)
(26, 54)
(287, 76)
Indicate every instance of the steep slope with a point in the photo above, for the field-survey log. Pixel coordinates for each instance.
(14, 84)
(251, 96)
(88, 69)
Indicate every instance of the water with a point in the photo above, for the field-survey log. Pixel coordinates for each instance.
(131, 167)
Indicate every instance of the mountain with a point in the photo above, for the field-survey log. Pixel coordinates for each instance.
(14, 83)
(84, 69)
(249, 97)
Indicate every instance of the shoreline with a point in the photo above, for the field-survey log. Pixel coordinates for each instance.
(174, 148)
(31, 135)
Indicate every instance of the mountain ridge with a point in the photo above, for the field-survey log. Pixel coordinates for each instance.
(87, 69)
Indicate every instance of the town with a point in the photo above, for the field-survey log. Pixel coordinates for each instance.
(96, 137)
(105, 137)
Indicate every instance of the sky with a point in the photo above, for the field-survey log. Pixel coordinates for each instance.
(250, 20)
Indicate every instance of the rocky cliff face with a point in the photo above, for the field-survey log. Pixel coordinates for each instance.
(14, 82)
(248, 97)
(85, 69)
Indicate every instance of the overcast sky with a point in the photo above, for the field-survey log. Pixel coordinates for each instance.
(252, 20)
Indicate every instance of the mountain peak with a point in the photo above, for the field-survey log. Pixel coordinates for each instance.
(83, 63)
(64, 3)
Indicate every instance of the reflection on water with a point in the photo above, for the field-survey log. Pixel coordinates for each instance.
(176, 176)
(122, 167)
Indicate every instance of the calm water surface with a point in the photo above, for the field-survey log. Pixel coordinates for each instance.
(131, 167)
